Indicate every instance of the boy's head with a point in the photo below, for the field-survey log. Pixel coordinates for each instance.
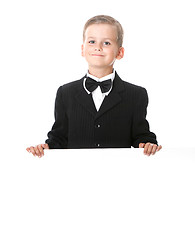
(102, 44)
(104, 19)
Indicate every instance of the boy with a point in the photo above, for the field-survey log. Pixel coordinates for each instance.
(100, 110)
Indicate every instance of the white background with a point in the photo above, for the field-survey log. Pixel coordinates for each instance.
(40, 49)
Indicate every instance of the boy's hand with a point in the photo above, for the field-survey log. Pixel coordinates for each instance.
(150, 148)
(38, 150)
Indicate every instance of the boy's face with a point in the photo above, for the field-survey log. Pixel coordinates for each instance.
(100, 47)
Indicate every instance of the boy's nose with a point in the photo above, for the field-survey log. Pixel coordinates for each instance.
(98, 47)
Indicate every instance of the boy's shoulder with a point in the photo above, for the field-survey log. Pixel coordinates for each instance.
(72, 84)
(130, 86)
(72, 87)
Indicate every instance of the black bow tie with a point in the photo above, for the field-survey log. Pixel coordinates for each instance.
(91, 85)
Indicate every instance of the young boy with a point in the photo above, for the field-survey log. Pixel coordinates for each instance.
(100, 110)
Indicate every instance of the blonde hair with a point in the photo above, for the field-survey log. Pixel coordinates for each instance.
(106, 20)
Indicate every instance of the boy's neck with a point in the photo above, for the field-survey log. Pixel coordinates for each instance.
(99, 73)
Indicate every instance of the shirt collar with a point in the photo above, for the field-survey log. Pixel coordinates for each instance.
(109, 76)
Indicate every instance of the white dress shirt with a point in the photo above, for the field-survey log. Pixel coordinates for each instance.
(98, 96)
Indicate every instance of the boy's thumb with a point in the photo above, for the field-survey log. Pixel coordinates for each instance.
(141, 145)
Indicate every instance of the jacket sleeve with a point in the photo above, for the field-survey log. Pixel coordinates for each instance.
(58, 136)
(140, 127)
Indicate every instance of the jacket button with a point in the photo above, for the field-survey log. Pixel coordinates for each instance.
(97, 126)
(97, 145)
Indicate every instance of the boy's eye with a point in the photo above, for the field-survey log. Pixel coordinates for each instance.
(91, 41)
(106, 43)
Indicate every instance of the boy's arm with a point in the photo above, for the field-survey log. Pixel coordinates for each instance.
(141, 135)
(57, 137)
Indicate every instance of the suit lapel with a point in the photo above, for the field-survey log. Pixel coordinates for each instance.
(85, 99)
(113, 98)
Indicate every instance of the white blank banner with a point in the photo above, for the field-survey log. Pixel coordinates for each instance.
(99, 194)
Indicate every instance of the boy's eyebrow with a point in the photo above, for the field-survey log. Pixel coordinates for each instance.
(103, 38)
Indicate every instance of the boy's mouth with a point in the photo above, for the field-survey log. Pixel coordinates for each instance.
(97, 55)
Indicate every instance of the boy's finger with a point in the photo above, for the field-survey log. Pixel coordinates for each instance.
(40, 148)
(146, 148)
(45, 146)
(32, 151)
(37, 152)
(154, 149)
(150, 147)
(159, 148)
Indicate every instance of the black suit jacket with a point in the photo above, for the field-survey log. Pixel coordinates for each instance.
(119, 123)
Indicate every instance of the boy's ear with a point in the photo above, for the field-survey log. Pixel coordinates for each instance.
(82, 48)
(120, 53)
